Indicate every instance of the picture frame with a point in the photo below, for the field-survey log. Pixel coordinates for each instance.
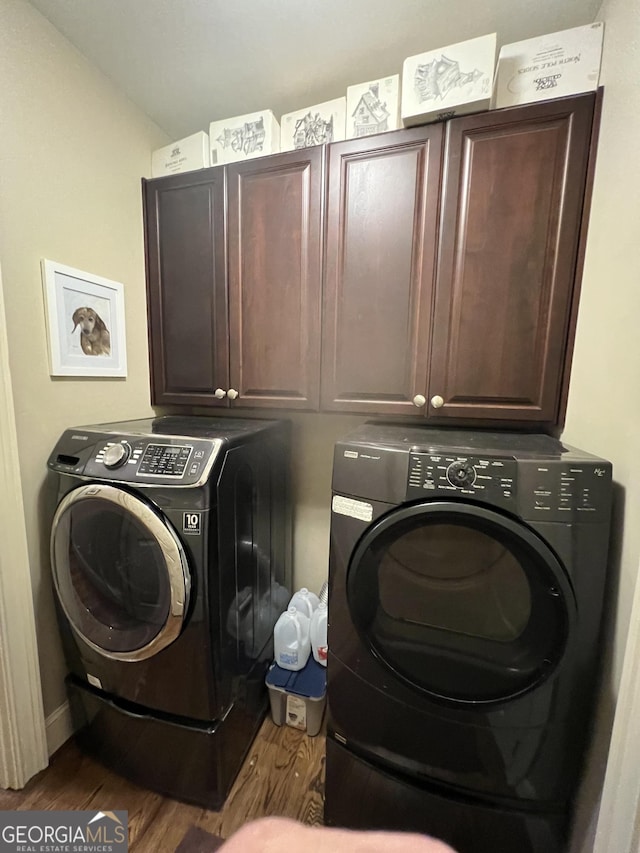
(85, 322)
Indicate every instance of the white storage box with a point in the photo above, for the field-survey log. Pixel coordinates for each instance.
(564, 63)
(185, 155)
(449, 81)
(373, 107)
(313, 125)
(244, 137)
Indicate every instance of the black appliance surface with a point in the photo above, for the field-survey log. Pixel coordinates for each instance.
(171, 560)
(466, 577)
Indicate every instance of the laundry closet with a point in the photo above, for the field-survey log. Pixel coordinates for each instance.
(428, 278)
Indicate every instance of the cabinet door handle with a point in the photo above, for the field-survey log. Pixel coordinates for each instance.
(419, 400)
(437, 402)
(232, 394)
(220, 393)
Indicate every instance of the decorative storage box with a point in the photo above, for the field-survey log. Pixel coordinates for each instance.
(186, 154)
(244, 137)
(373, 107)
(449, 81)
(298, 698)
(313, 125)
(564, 63)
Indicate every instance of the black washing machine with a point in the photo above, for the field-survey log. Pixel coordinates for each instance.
(171, 560)
(467, 572)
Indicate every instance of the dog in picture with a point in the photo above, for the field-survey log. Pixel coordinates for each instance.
(94, 335)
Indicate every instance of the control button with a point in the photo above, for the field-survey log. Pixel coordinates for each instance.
(461, 474)
(116, 455)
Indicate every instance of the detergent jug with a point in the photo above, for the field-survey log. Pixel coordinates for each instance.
(291, 644)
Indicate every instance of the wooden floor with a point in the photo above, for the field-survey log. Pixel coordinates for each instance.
(283, 774)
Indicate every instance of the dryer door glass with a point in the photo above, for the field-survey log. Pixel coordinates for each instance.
(119, 571)
(460, 601)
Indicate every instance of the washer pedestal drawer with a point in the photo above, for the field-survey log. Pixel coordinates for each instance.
(189, 761)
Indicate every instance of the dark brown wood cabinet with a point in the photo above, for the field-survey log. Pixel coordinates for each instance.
(234, 283)
(187, 288)
(512, 206)
(382, 204)
(275, 266)
(431, 273)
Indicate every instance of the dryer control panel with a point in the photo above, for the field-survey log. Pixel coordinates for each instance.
(551, 490)
(489, 479)
(575, 490)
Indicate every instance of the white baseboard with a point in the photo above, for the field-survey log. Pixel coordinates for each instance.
(59, 727)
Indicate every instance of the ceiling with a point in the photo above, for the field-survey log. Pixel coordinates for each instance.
(186, 63)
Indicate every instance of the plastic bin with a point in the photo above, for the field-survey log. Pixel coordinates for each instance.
(298, 699)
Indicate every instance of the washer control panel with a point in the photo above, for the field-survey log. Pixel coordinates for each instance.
(491, 480)
(143, 458)
(167, 460)
(138, 459)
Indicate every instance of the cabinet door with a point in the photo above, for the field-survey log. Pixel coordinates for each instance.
(186, 287)
(513, 190)
(275, 248)
(381, 233)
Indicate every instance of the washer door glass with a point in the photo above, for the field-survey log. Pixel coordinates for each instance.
(119, 571)
(460, 601)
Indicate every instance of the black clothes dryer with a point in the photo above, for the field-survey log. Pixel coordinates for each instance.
(466, 582)
(171, 560)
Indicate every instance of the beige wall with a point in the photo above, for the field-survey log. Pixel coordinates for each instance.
(604, 401)
(313, 439)
(71, 156)
(72, 152)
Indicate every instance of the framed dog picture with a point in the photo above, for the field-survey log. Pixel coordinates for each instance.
(85, 322)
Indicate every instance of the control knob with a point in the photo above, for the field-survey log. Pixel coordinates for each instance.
(116, 455)
(461, 474)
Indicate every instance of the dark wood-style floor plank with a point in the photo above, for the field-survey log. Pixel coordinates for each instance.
(169, 826)
(283, 775)
(274, 780)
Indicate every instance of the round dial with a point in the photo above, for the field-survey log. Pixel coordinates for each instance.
(116, 455)
(461, 474)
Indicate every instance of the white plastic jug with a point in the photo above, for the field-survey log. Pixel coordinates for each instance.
(318, 634)
(304, 601)
(280, 595)
(291, 645)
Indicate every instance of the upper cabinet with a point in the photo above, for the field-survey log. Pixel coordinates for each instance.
(234, 279)
(512, 204)
(275, 266)
(382, 204)
(431, 273)
(186, 287)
